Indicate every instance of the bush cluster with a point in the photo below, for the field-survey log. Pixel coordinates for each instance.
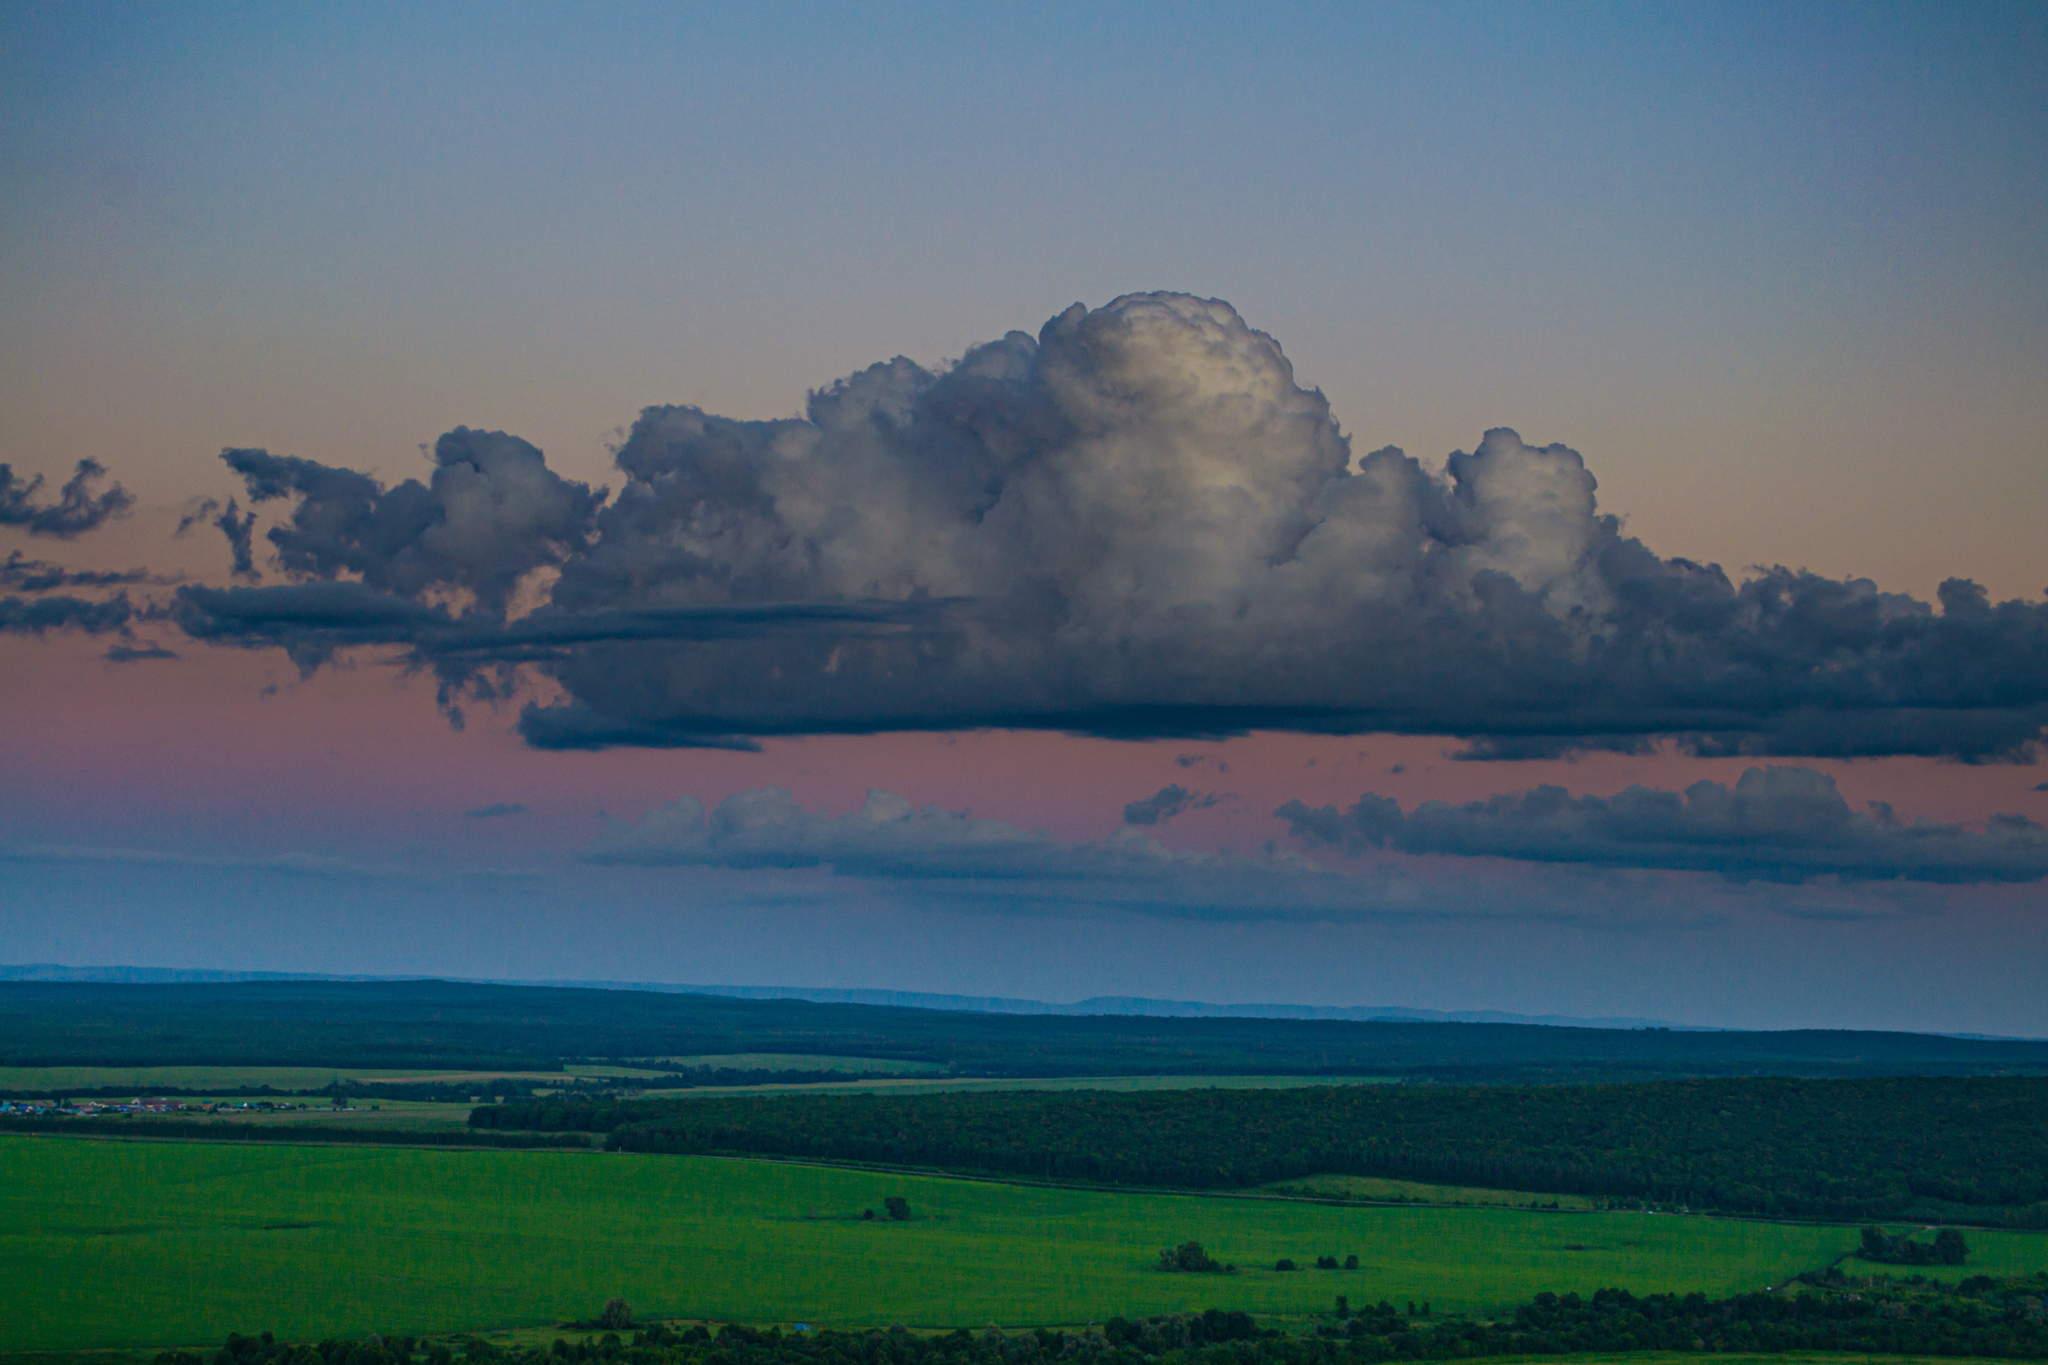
(1190, 1258)
(1947, 1248)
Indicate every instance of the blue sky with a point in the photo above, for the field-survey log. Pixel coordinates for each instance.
(1775, 271)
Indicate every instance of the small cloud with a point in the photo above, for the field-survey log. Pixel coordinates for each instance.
(287, 864)
(36, 575)
(134, 652)
(495, 810)
(1166, 803)
(2040, 787)
(1188, 760)
(1398, 768)
(80, 505)
(36, 616)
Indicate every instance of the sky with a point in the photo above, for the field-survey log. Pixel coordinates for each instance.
(1528, 507)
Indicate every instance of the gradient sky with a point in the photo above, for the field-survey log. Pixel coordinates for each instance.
(1776, 272)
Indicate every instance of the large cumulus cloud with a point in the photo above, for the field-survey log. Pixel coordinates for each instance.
(1147, 527)
(1780, 824)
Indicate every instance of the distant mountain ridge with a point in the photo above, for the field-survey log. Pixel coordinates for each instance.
(1141, 1005)
(974, 1004)
(1099, 1005)
(902, 999)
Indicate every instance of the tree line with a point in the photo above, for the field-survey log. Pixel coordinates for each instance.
(1968, 1149)
(1983, 1318)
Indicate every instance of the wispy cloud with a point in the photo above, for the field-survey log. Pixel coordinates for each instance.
(127, 653)
(23, 574)
(80, 505)
(38, 615)
(323, 867)
(290, 864)
(1167, 802)
(944, 859)
(1780, 824)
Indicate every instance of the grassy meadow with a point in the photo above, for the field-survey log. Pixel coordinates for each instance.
(144, 1079)
(920, 1085)
(132, 1244)
(862, 1074)
(1373, 1188)
(800, 1061)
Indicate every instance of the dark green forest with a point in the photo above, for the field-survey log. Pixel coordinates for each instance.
(458, 1026)
(1986, 1318)
(1963, 1149)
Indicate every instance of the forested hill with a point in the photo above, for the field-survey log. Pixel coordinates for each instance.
(459, 1025)
(1884, 1148)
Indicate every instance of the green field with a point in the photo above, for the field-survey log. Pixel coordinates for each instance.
(384, 1114)
(914, 1085)
(1372, 1188)
(127, 1244)
(144, 1079)
(863, 1073)
(800, 1061)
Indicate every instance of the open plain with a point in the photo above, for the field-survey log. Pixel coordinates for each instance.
(145, 1244)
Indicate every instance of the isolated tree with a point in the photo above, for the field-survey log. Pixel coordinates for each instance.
(1189, 1256)
(1950, 1248)
(617, 1315)
(898, 1207)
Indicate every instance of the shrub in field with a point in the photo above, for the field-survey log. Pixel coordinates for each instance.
(897, 1207)
(1190, 1257)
